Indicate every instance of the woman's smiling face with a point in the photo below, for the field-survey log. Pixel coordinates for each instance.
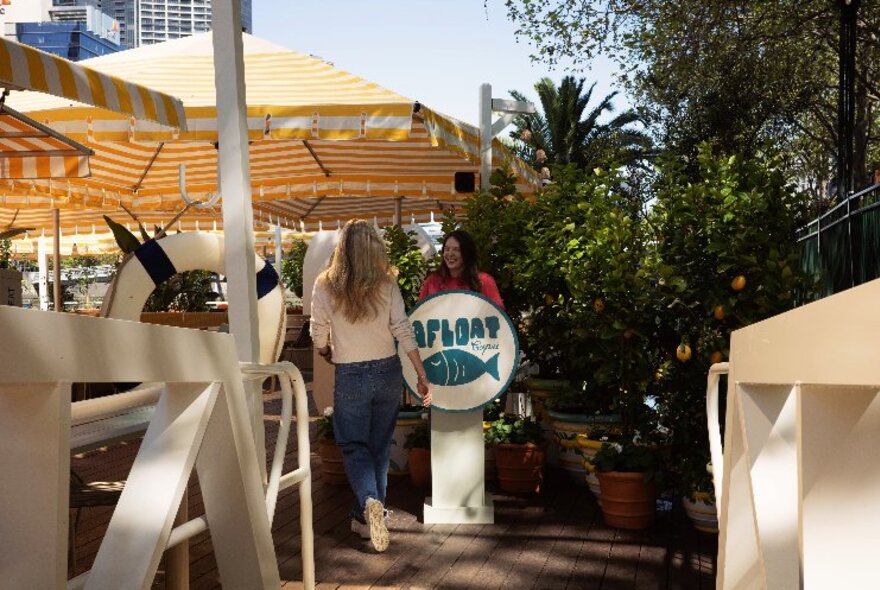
(452, 256)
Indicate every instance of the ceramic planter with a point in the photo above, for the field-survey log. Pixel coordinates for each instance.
(520, 468)
(331, 462)
(702, 511)
(589, 447)
(568, 429)
(628, 501)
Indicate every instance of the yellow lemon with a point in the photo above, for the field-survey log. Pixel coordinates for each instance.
(683, 352)
(738, 283)
(598, 305)
(716, 357)
(718, 312)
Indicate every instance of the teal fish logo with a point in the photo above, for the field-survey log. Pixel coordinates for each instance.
(457, 367)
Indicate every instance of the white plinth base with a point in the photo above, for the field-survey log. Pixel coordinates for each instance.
(460, 514)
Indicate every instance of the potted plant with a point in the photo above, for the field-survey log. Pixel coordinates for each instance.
(519, 453)
(418, 443)
(628, 472)
(331, 455)
(578, 414)
(408, 418)
(698, 494)
(491, 412)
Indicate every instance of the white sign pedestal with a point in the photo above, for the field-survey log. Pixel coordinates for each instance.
(470, 353)
(458, 468)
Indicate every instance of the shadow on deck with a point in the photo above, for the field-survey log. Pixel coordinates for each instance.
(553, 540)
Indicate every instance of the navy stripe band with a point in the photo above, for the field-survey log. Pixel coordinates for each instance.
(267, 280)
(155, 261)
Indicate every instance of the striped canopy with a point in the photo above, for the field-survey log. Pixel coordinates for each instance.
(25, 68)
(31, 150)
(317, 134)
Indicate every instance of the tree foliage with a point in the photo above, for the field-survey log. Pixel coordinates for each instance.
(735, 73)
(407, 259)
(292, 267)
(568, 131)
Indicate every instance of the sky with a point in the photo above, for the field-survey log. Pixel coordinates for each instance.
(437, 52)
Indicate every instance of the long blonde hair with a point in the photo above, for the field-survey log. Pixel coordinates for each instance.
(357, 271)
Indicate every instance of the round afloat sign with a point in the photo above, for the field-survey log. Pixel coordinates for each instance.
(468, 346)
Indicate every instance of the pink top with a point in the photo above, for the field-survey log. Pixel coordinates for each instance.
(434, 283)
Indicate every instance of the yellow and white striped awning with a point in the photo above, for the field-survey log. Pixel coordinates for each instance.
(302, 215)
(30, 150)
(316, 133)
(26, 68)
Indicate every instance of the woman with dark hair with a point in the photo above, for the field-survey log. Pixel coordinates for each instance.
(458, 270)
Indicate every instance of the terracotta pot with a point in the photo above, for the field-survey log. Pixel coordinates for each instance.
(520, 468)
(628, 502)
(331, 462)
(491, 473)
(420, 467)
(701, 509)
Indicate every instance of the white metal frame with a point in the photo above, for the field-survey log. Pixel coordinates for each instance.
(797, 484)
(201, 421)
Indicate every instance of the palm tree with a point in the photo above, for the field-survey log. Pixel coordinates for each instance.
(569, 134)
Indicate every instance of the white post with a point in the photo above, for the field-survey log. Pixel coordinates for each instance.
(278, 251)
(235, 177)
(485, 135)
(235, 186)
(56, 259)
(43, 265)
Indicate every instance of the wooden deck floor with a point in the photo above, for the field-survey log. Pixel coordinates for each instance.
(553, 540)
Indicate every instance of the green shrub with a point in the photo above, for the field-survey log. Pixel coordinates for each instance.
(292, 267)
(517, 431)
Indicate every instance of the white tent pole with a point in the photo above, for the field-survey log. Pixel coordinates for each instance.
(485, 135)
(278, 247)
(398, 210)
(56, 259)
(43, 264)
(235, 181)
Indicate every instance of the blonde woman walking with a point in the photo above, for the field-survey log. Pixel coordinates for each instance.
(357, 314)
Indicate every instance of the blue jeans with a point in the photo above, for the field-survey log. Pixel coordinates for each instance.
(365, 403)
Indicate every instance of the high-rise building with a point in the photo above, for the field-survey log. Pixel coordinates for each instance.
(129, 23)
(144, 22)
(74, 29)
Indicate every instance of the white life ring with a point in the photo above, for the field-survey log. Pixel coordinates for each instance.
(156, 261)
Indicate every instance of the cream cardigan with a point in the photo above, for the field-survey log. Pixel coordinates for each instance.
(366, 340)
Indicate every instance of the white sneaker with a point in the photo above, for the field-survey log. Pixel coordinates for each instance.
(360, 528)
(374, 514)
